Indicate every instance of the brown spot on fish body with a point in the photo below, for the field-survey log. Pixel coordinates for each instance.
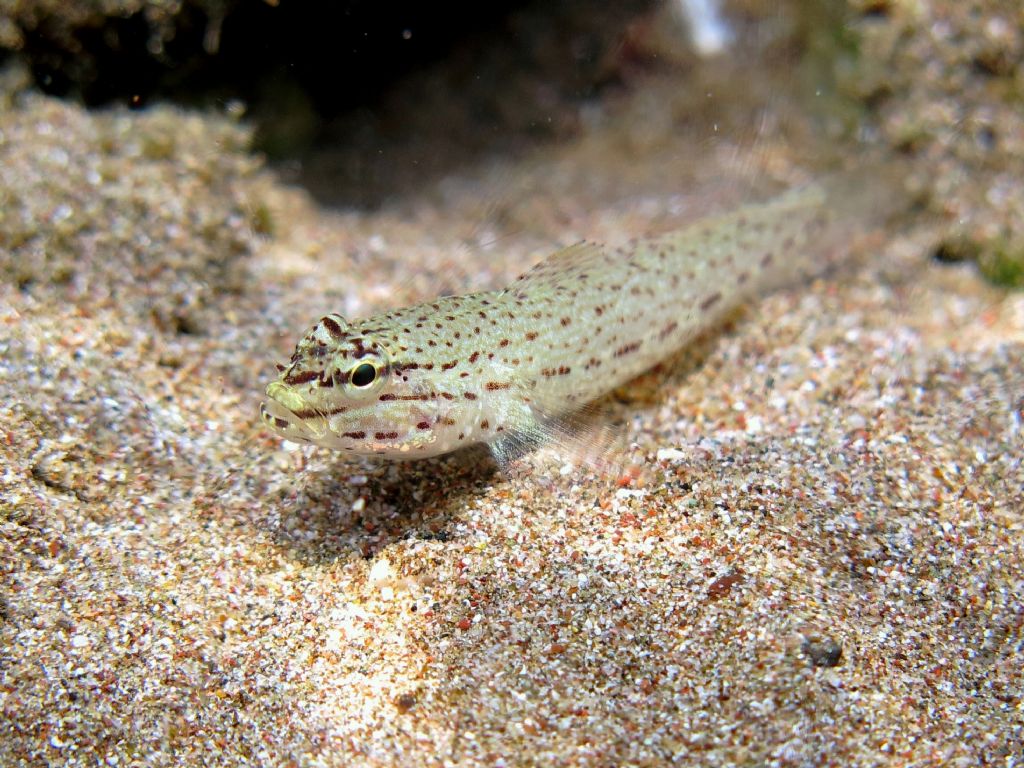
(423, 425)
(561, 370)
(449, 366)
(493, 386)
(469, 395)
(385, 435)
(710, 301)
(627, 349)
(355, 435)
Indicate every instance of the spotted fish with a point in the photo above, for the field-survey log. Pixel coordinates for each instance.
(502, 367)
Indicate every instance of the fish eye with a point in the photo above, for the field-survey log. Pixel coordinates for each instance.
(363, 375)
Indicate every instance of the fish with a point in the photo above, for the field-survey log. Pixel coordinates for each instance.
(507, 367)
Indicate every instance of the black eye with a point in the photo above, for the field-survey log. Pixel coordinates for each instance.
(363, 375)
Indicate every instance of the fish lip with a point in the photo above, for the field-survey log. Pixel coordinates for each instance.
(278, 405)
(286, 396)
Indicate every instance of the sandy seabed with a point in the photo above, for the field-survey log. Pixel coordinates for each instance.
(810, 553)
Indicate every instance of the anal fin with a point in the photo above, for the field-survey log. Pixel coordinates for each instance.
(582, 438)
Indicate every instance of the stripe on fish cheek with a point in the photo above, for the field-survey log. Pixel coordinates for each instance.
(294, 379)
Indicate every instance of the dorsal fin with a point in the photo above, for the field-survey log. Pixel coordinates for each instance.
(574, 259)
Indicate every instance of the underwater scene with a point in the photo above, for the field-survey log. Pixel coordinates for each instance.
(529, 383)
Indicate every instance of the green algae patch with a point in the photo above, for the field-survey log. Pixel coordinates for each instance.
(1003, 264)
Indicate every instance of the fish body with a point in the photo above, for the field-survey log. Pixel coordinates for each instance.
(500, 367)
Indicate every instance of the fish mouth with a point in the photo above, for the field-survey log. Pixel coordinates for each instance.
(281, 412)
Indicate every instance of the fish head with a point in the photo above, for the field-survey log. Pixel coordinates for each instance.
(348, 389)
